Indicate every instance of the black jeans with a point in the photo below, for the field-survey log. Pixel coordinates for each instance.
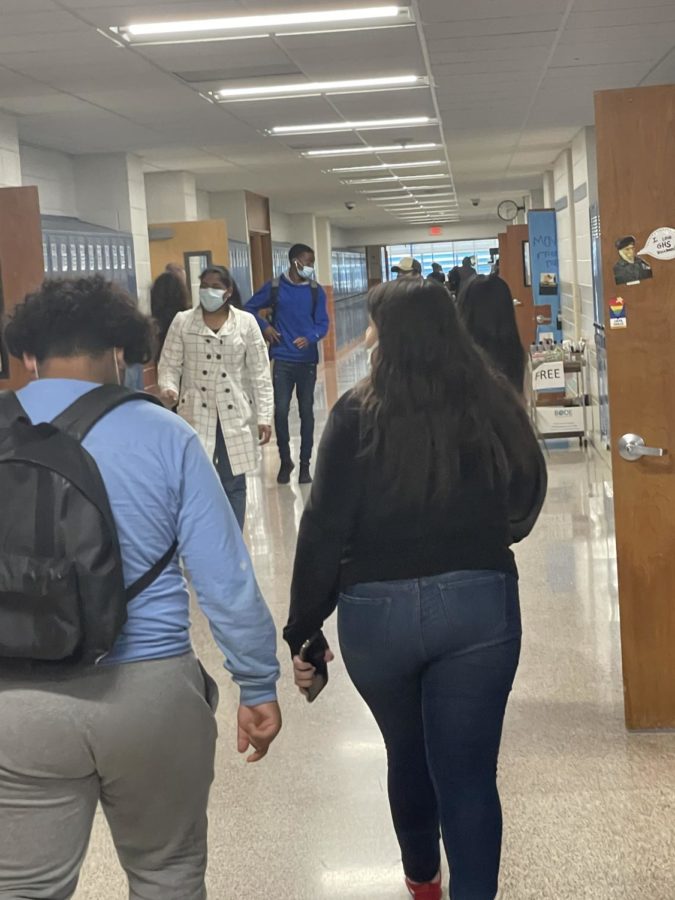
(435, 660)
(301, 377)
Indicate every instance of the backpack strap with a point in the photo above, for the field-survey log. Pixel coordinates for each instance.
(315, 299)
(81, 416)
(274, 298)
(144, 582)
(11, 410)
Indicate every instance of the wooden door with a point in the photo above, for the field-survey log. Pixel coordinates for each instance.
(21, 266)
(514, 269)
(636, 178)
(188, 242)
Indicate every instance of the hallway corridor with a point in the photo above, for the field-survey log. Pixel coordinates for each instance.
(589, 809)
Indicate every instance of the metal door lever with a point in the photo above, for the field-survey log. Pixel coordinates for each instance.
(632, 447)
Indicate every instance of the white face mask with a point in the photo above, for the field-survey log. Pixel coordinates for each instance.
(212, 299)
(305, 272)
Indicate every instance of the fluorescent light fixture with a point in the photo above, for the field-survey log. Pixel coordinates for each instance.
(424, 177)
(362, 125)
(347, 85)
(359, 151)
(401, 165)
(387, 190)
(369, 180)
(389, 178)
(268, 22)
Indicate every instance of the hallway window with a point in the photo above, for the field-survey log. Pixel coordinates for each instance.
(448, 253)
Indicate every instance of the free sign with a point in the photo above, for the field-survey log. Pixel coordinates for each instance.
(660, 244)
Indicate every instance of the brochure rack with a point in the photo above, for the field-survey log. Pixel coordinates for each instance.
(559, 393)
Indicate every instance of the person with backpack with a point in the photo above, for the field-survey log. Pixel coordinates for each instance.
(214, 369)
(293, 316)
(460, 276)
(101, 696)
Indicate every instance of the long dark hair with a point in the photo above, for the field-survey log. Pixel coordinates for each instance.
(168, 297)
(432, 408)
(228, 282)
(486, 308)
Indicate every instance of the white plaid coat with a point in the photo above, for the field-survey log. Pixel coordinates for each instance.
(222, 376)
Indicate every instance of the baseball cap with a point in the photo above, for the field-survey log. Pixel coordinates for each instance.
(407, 265)
(624, 242)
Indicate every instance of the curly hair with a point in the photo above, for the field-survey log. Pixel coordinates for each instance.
(79, 317)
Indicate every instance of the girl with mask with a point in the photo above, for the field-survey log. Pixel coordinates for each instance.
(215, 368)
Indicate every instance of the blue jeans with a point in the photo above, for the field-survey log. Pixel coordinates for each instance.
(301, 377)
(233, 485)
(435, 660)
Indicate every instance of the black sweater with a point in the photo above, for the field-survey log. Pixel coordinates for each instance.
(351, 533)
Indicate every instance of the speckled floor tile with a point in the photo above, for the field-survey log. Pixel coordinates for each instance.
(589, 809)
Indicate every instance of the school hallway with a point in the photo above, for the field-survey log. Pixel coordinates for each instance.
(589, 809)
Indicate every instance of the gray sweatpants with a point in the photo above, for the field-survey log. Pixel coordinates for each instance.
(139, 738)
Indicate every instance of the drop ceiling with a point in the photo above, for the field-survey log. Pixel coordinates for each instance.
(511, 81)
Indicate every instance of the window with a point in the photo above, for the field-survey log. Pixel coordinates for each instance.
(448, 253)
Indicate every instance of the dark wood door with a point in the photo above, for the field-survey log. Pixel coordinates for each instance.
(636, 176)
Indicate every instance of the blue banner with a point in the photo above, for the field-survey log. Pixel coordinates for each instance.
(545, 271)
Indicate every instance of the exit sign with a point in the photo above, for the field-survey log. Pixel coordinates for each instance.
(435, 230)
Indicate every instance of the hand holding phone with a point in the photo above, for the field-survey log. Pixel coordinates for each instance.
(311, 666)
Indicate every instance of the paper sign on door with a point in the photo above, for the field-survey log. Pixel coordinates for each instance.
(548, 376)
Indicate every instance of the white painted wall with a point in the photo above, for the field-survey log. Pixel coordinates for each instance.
(110, 191)
(53, 174)
(405, 234)
(10, 158)
(203, 206)
(282, 227)
(575, 188)
(171, 197)
(231, 206)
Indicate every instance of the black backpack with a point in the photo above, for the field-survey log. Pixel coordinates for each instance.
(274, 299)
(62, 594)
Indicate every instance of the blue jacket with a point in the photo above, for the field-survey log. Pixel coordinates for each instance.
(293, 319)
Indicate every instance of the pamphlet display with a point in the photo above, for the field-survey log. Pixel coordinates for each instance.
(559, 395)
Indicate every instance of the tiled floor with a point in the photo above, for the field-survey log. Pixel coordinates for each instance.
(589, 809)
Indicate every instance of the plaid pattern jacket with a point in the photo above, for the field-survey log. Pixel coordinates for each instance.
(222, 376)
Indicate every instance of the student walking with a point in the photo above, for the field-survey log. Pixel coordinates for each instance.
(101, 696)
(215, 368)
(292, 313)
(427, 472)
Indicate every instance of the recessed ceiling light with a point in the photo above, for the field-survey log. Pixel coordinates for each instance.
(270, 23)
(363, 125)
(358, 151)
(345, 85)
(400, 165)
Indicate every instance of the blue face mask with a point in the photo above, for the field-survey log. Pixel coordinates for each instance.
(306, 272)
(212, 299)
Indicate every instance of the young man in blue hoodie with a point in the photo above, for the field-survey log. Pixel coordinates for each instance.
(292, 313)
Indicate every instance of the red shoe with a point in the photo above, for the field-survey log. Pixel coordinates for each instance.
(429, 890)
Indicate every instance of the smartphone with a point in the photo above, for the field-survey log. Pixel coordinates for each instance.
(314, 651)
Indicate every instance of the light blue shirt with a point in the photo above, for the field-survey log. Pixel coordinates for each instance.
(162, 486)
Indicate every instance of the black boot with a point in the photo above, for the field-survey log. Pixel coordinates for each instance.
(305, 477)
(284, 476)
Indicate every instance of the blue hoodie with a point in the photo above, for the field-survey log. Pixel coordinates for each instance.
(293, 319)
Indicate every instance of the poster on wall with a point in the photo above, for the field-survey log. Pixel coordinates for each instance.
(543, 234)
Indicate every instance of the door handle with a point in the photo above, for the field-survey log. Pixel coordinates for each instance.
(632, 447)
(542, 320)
